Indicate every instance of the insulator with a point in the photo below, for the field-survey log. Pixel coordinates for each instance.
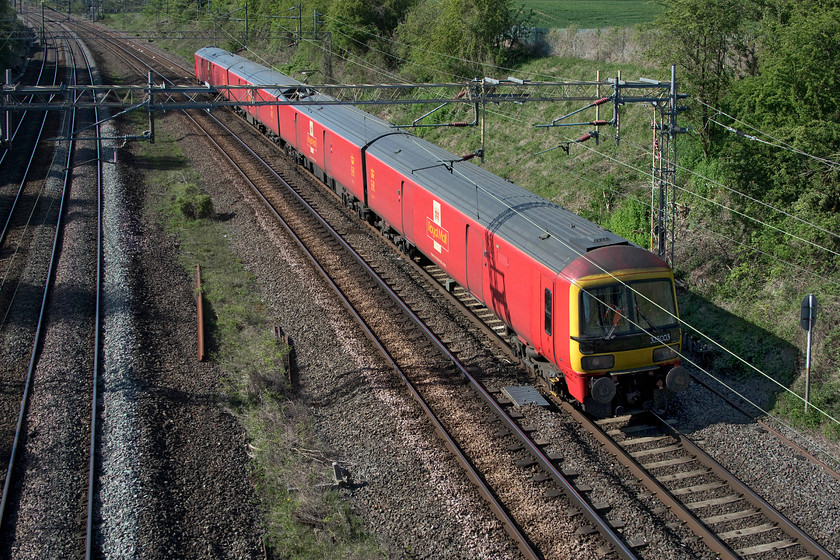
(585, 137)
(461, 94)
(600, 101)
(465, 157)
(460, 123)
(599, 123)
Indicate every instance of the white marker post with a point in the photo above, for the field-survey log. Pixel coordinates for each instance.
(807, 319)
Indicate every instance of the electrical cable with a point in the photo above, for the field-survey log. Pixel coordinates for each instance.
(715, 203)
(778, 143)
(694, 329)
(444, 55)
(746, 196)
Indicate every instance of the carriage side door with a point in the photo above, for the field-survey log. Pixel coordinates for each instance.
(546, 314)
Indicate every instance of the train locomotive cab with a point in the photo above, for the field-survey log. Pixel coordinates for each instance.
(624, 333)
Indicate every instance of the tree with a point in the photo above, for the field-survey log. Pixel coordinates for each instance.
(712, 43)
(12, 50)
(793, 97)
(791, 108)
(442, 38)
(360, 24)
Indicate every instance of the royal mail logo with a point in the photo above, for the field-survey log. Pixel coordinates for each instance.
(435, 231)
(438, 234)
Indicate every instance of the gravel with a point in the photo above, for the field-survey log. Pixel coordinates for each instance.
(800, 489)
(411, 493)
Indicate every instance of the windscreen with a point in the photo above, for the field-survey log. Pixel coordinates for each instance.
(621, 309)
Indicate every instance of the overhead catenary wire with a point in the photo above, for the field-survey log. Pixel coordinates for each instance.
(775, 142)
(666, 311)
(631, 198)
(748, 197)
(645, 172)
(716, 203)
(734, 191)
(743, 195)
(642, 203)
(680, 321)
(444, 55)
(749, 247)
(645, 204)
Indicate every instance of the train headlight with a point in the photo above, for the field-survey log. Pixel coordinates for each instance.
(664, 353)
(588, 363)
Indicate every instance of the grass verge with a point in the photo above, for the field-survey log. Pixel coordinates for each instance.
(302, 520)
(591, 14)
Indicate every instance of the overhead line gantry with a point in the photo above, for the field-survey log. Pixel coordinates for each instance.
(151, 97)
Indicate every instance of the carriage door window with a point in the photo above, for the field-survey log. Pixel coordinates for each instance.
(548, 312)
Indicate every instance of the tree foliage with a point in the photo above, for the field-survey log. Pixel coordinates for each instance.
(712, 44)
(429, 38)
(456, 37)
(775, 64)
(358, 25)
(14, 47)
(793, 99)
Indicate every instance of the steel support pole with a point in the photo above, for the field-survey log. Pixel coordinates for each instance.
(808, 372)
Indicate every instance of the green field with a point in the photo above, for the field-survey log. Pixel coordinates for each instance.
(587, 14)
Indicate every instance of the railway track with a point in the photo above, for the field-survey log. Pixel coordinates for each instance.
(49, 480)
(346, 277)
(23, 166)
(360, 282)
(732, 519)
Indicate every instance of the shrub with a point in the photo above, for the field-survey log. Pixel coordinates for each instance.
(193, 203)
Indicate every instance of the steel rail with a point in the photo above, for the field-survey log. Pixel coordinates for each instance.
(786, 525)
(601, 524)
(680, 510)
(8, 220)
(36, 345)
(684, 514)
(674, 504)
(89, 537)
(795, 446)
(547, 464)
(522, 542)
(651, 483)
(486, 492)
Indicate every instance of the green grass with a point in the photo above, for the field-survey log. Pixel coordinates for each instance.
(591, 14)
(301, 521)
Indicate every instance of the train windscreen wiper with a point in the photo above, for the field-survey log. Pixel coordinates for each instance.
(653, 327)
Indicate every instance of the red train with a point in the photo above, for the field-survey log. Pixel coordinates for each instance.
(593, 314)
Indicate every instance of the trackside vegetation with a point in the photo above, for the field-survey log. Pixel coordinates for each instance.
(14, 48)
(301, 521)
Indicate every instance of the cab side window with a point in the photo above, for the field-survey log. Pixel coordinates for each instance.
(548, 312)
